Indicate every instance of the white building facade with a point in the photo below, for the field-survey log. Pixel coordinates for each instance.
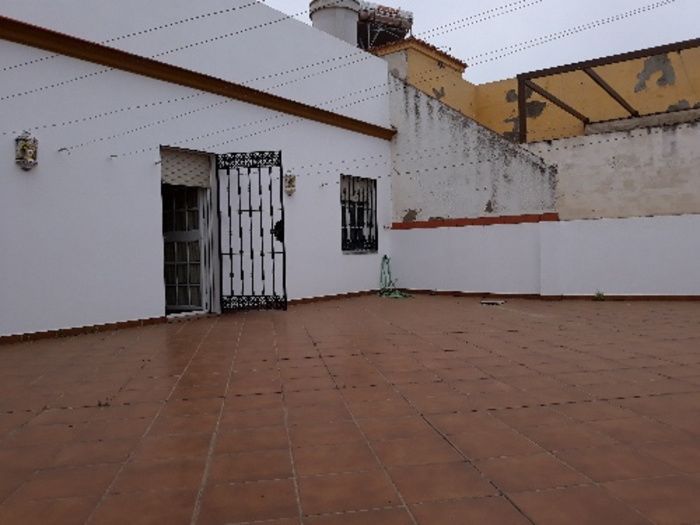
(86, 241)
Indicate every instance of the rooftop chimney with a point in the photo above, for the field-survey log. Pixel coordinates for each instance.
(336, 17)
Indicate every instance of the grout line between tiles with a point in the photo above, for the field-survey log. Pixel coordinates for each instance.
(212, 443)
(295, 475)
(518, 432)
(148, 429)
(369, 444)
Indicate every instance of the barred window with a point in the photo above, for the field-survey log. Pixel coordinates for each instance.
(358, 200)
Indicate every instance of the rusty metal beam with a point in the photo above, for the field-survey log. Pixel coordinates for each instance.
(522, 111)
(611, 91)
(614, 59)
(556, 101)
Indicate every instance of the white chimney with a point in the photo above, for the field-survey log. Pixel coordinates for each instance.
(336, 17)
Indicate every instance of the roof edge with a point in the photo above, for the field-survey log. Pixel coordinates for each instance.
(422, 45)
(49, 40)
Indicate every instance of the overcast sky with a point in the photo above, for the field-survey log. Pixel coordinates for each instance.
(678, 20)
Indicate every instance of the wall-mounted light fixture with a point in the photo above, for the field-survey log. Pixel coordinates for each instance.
(290, 184)
(26, 151)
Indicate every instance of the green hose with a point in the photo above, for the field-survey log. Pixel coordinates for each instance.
(387, 285)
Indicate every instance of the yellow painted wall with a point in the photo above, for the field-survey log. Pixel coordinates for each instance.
(651, 85)
(441, 80)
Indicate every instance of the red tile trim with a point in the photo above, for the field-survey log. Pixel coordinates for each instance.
(622, 298)
(323, 298)
(480, 295)
(618, 298)
(82, 330)
(478, 221)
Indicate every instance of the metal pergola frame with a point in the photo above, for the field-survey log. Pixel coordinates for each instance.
(527, 81)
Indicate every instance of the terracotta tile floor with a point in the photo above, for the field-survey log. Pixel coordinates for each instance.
(431, 410)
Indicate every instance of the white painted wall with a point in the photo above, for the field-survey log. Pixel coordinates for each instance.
(498, 259)
(449, 166)
(637, 173)
(245, 42)
(81, 234)
(636, 256)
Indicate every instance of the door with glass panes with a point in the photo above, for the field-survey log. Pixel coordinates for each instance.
(182, 237)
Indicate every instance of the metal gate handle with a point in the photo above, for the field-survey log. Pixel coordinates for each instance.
(278, 231)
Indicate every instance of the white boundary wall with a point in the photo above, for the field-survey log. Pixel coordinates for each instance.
(81, 234)
(499, 259)
(637, 256)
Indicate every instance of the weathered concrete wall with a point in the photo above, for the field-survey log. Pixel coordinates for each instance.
(650, 121)
(651, 85)
(447, 166)
(640, 256)
(652, 171)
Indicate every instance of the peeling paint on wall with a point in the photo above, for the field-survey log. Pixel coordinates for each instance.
(653, 65)
(679, 106)
(533, 109)
(439, 93)
(411, 216)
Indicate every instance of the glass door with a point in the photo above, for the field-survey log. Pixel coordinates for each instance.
(182, 237)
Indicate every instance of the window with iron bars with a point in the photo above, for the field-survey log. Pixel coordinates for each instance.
(358, 200)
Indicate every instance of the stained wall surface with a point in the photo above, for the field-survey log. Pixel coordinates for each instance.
(655, 84)
(636, 173)
(447, 166)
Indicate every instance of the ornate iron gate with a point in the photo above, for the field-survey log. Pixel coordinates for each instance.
(253, 259)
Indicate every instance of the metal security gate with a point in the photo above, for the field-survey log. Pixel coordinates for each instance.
(251, 231)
